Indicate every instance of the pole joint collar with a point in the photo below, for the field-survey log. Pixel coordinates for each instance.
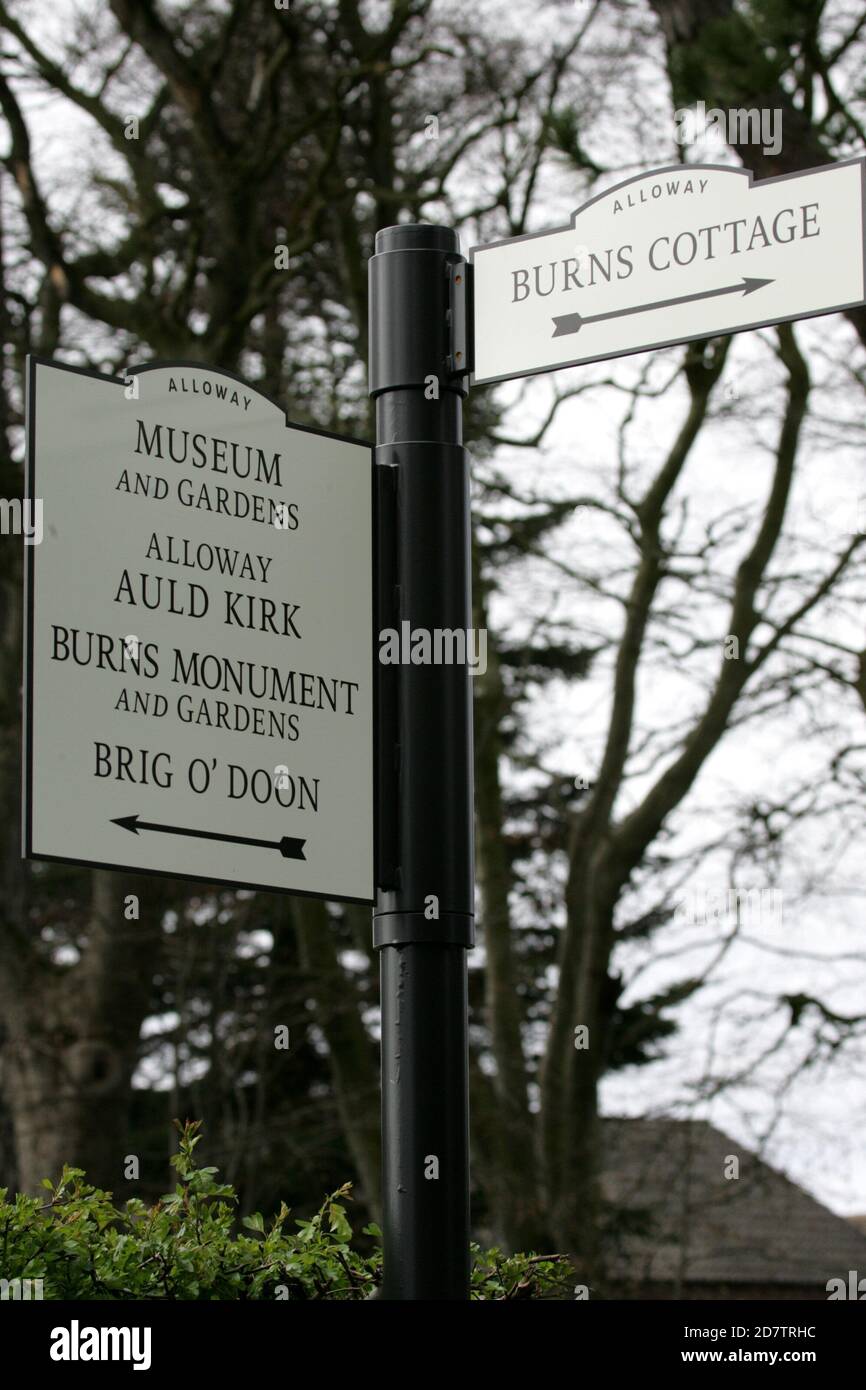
(412, 928)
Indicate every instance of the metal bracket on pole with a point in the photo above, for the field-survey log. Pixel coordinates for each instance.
(460, 317)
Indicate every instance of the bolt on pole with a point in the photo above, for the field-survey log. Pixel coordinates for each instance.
(423, 920)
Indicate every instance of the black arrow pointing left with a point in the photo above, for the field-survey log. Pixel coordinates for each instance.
(289, 848)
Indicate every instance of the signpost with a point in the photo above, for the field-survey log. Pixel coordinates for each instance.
(200, 680)
(666, 257)
(423, 922)
(199, 676)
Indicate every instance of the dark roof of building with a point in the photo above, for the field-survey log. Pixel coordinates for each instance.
(686, 1223)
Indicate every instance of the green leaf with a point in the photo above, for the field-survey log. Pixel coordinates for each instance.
(339, 1222)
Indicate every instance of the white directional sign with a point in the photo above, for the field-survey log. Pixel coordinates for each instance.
(666, 257)
(199, 647)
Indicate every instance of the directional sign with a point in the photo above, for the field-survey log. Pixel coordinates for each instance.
(666, 257)
(199, 634)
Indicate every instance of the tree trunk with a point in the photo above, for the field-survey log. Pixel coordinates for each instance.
(71, 1037)
(352, 1054)
(516, 1200)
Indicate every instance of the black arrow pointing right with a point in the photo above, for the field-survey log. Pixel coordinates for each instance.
(571, 323)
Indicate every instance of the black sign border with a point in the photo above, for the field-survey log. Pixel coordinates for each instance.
(694, 337)
(32, 362)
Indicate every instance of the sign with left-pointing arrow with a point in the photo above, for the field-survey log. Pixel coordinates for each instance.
(289, 848)
(199, 672)
(667, 257)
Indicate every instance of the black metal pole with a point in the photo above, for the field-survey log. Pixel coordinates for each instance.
(424, 913)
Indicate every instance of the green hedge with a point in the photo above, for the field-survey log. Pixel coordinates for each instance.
(188, 1246)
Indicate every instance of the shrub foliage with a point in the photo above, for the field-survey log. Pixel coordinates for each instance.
(190, 1246)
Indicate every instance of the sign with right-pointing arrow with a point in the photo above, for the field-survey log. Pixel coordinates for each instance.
(677, 254)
